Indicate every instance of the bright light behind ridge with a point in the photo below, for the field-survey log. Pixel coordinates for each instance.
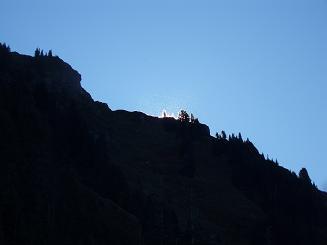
(164, 114)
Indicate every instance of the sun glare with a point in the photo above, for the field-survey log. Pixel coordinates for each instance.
(165, 114)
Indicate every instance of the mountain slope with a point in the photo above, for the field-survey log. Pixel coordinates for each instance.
(74, 172)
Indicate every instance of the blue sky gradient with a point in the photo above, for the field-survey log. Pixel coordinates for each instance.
(255, 67)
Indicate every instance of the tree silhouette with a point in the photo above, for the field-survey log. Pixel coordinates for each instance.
(192, 118)
(50, 53)
(223, 134)
(183, 116)
(196, 121)
(37, 52)
(303, 175)
(240, 137)
(4, 48)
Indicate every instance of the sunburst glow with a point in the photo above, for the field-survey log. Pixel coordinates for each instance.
(165, 114)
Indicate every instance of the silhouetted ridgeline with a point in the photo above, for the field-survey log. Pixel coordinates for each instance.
(74, 172)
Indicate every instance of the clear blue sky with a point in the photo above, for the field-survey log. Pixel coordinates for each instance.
(255, 66)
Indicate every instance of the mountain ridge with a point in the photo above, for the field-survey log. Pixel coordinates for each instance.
(74, 171)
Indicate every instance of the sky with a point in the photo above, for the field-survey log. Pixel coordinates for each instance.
(255, 67)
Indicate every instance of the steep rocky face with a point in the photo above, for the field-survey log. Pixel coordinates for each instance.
(48, 153)
(74, 172)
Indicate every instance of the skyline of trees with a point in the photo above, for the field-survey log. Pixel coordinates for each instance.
(40, 53)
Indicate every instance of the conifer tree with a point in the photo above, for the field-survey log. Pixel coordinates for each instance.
(303, 175)
(5, 47)
(183, 116)
(223, 134)
(240, 137)
(192, 118)
(37, 52)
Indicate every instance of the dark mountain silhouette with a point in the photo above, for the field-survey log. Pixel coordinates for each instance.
(72, 171)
